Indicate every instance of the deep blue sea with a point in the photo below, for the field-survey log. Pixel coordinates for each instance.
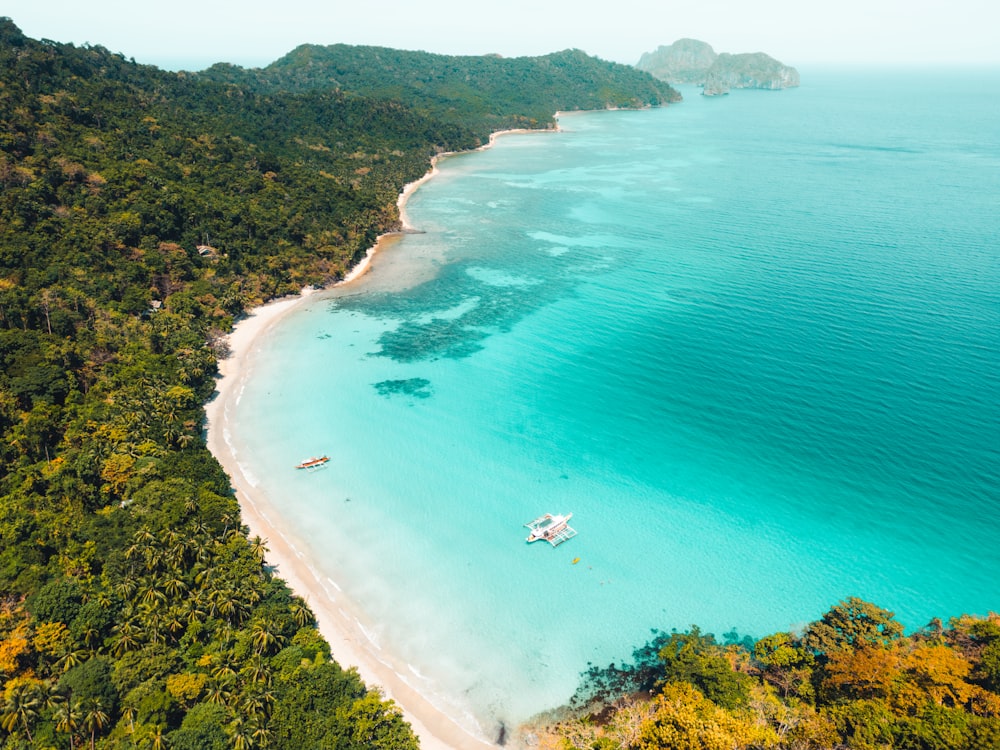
(752, 343)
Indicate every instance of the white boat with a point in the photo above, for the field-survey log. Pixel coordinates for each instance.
(554, 529)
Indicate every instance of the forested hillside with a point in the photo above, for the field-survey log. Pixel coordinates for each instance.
(141, 212)
(482, 93)
(134, 611)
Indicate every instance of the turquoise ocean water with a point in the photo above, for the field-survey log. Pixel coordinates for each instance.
(752, 343)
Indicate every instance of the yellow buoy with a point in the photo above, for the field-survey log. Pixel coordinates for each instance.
(576, 560)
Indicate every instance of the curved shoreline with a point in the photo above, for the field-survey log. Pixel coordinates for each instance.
(435, 729)
(336, 620)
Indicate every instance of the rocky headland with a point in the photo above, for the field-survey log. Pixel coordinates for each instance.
(695, 62)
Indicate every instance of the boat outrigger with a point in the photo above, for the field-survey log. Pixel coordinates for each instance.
(554, 529)
(313, 463)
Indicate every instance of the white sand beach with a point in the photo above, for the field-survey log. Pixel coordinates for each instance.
(340, 624)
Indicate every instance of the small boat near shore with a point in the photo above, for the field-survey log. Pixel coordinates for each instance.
(554, 529)
(311, 464)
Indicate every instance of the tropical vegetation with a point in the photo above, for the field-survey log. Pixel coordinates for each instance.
(852, 679)
(141, 213)
(485, 93)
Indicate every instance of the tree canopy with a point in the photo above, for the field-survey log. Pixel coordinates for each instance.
(850, 680)
(481, 93)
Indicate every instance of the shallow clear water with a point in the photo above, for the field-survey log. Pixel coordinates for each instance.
(752, 343)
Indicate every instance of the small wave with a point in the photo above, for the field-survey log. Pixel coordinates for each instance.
(372, 638)
(248, 474)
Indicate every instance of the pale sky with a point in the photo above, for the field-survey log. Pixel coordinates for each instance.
(187, 34)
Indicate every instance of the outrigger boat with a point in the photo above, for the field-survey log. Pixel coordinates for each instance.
(313, 463)
(554, 529)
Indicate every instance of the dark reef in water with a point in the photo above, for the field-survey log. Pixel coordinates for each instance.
(416, 387)
(600, 686)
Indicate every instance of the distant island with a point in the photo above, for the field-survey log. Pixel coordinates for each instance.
(693, 61)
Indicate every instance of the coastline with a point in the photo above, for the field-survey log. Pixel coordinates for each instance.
(340, 628)
(411, 187)
(435, 729)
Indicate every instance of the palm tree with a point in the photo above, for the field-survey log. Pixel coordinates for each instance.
(95, 719)
(71, 659)
(21, 707)
(150, 594)
(128, 714)
(300, 612)
(257, 671)
(217, 691)
(90, 636)
(202, 545)
(128, 639)
(155, 623)
(241, 733)
(157, 740)
(193, 607)
(264, 640)
(206, 575)
(104, 599)
(258, 547)
(229, 520)
(67, 718)
(257, 705)
(262, 736)
(225, 605)
(173, 584)
(52, 698)
(172, 536)
(125, 588)
(225, 668)
(145, 537)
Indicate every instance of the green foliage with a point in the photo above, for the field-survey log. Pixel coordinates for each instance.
(989, 666)
(91, 681)
(936, 728)
(374, 724)
(869, 687)
(482, 94)
(203, 728)
(852, 623)
(786, 665)
(697, 659)
(311, 705)
(58, 601)
(864, 724)
(684, 719)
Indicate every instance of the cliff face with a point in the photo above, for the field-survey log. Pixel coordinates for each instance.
(748, 71)
(684, 61)
(691, 61)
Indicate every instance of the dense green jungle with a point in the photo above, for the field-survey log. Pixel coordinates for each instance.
(142, 212)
